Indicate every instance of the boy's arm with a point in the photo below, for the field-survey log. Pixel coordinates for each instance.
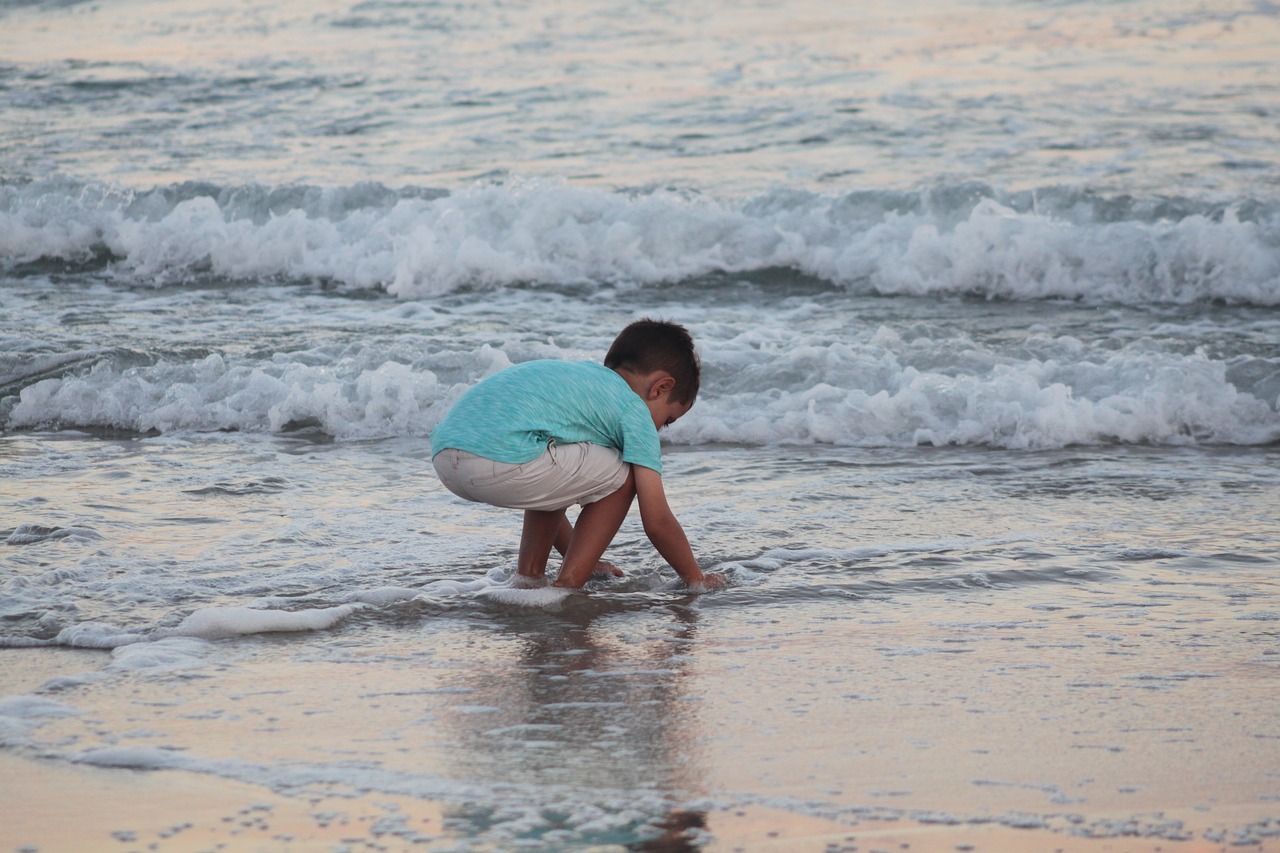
(664, 530)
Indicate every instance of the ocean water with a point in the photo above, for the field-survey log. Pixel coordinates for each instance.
(988, 302)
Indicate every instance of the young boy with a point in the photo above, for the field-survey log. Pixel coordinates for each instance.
(544, 435)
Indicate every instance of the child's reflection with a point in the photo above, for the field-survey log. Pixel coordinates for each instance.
(595, 702)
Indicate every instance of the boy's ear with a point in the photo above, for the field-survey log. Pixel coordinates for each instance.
(661, 384)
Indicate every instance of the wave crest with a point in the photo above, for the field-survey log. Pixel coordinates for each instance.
(418, 243)
(881, 392)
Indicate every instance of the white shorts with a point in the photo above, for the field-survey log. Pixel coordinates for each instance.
(566, 474)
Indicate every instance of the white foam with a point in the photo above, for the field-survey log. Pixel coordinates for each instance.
(454, 587)
(351, 401)
(20, 715)
(27, 706)
(948, 240)
(769, 382)
(165, 654)
(383, 595)
(497, 586)
(547, 596)
(872, 395)
(887, 390)
(215, 623)
(133, 757)
(95, 635)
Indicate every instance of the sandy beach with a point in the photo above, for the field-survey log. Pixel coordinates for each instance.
(55, 808)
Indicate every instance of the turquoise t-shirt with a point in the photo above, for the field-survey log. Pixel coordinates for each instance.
(510, 416)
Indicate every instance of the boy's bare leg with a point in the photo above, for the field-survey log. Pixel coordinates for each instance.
(565, 536)
(596, 527)
(541, 529)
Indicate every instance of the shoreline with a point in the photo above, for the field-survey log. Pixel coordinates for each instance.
(52, 805)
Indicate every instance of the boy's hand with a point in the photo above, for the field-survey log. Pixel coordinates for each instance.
(605, 569)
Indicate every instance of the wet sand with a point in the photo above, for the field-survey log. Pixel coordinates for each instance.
(778, 740)
(58, 808)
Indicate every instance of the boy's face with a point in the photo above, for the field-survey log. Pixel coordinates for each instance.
(655, 389)
(665, 411)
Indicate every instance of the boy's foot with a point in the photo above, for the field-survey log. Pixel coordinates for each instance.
(605, 569)
(526, 582)
(713, 580)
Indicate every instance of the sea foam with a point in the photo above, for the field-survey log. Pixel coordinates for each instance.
(214, 623)
(417, 243)
(22, 714)
(769, 381)
(544, 597)
(889, 389)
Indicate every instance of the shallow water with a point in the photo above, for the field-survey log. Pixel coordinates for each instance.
(951, 635)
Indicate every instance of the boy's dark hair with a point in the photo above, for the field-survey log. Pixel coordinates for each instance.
(649, 345)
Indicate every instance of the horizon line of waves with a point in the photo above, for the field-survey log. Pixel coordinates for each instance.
(964, 239)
